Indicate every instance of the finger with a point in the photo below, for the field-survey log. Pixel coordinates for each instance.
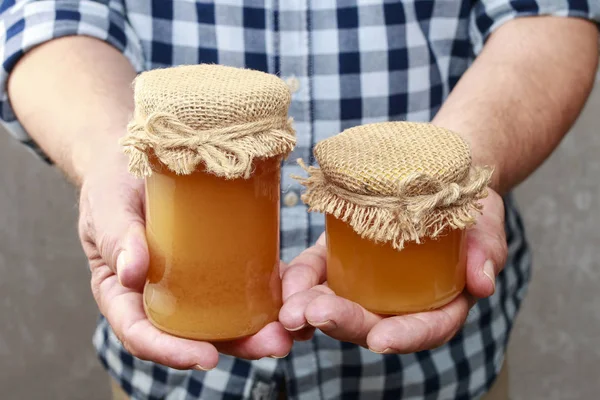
(486, 248)
(341, 319)
(292, 313)
(272, 341)
(114, 224)
(304, 334)
(123, 309)
(422, 331)
(305, 271)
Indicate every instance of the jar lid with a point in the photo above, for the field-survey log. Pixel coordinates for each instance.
(396, 181)
(222, 117)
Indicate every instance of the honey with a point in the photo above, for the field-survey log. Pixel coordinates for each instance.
(384, 280)
(214, 252)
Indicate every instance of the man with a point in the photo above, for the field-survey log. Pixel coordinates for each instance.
(510, 86)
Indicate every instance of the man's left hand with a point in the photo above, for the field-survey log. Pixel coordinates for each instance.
(309, 303)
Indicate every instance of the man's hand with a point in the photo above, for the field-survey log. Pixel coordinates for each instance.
(78, 127)
(309, 303)
(111, 228)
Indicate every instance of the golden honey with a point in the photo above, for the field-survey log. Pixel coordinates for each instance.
(214, 252)
(384, 280)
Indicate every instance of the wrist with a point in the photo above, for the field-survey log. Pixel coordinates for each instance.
(481, 154)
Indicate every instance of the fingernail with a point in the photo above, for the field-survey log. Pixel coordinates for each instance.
(121, 263)
(297, 329)
(488, 270)
(384, 351)
(324, 325)
(199, 367)
(279, 357)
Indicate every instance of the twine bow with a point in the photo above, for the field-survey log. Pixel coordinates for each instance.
(226, 151)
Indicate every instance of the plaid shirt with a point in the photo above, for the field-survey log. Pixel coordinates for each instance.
(349, 62)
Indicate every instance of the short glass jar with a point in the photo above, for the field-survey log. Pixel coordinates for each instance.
(398, 198)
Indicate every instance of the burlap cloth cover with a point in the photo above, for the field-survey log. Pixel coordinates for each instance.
(219, 116)
(395, 182)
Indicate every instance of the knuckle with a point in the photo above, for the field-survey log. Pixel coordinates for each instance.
(106, 245)
(129, 345)
(322, 289)
(301, 273)
(309, 259)
(85, 226)
(324, 301)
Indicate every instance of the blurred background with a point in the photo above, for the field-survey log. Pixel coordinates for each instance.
(47, 313)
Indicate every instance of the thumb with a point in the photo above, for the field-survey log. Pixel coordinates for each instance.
(112, 230)
(486, 248)
(132, 257)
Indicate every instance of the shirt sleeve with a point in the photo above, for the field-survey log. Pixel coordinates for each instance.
(489, 15)
(25, 24)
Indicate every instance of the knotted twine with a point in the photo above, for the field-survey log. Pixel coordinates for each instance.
(221, 117)
(396, 182)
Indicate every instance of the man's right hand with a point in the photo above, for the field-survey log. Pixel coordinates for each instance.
(79, 126)
(111, 229)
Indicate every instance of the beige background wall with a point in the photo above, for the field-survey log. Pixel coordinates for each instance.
(47, 313)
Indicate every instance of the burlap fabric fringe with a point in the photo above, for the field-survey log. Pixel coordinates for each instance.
(401, 218)
(421, 206)
(227, 152)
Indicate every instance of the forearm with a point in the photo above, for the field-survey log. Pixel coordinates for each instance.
(523, 93)
(73, 95)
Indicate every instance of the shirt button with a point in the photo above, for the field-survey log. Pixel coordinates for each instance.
(290, 199)
(293, 83)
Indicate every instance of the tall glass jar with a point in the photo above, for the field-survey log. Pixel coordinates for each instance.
(209, 141)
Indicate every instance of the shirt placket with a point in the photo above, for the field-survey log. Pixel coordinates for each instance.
(293, 47)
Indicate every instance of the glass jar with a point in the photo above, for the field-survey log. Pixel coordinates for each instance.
(209, 140)
(384, 280)
(398, 198)
(214, 252)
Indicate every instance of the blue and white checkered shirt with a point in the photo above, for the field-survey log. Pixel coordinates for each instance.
(349, 62)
